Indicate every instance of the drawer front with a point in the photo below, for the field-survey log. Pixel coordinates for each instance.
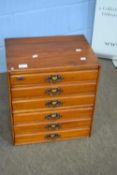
(53, 116)
(46, 91)
(54, 126)
(38, 104)
(51, 136)
(45, 78)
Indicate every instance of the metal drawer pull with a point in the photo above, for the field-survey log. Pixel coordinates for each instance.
(19, 78)
(53, 126)
(54, 91)
(55, 78)
(52, 136)
(53, 116)
(54, 103)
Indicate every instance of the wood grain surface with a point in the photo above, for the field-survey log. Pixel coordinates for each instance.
(42, 79)
(53, 52)
(52, 88)
(68, 114)
(54, 126)
(38, 104)
(44, 137)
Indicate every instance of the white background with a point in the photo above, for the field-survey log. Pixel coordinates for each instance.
(104, 41)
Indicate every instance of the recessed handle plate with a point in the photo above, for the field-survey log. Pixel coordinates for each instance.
(52, 136)
(53, 91)
(53, 116)
(53, 126)
(54, 103)
(55, 78)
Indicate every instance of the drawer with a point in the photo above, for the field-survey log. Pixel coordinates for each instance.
(51, 136)
(54, 126)
(53, 116)
(50, 103)
(53, 90)
(46, 78)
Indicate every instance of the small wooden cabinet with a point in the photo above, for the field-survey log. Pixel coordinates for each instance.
(52, 88)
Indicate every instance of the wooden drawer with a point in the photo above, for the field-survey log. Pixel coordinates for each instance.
(51, 136)
(54, 126)
(46, 79)
(49, 103)
(69, 114)
(53, 90)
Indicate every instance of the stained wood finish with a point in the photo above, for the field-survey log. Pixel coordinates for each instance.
(38, 104)
(54, 126)
(99, 69)
(53, 52)
(53, 90)
(53, 97)
(71, 114)
(44, 137)
(10, 108)
(42, 79)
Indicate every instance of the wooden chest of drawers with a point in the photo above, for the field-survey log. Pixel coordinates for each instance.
(52, 88)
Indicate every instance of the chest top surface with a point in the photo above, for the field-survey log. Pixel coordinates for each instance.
(49, 53)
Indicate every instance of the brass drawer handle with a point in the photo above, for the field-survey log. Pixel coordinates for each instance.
(53, 116)
(54, 103)
(19, 78)
(54, 91)
(55, 78)
(53, 126)
(52, 136)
